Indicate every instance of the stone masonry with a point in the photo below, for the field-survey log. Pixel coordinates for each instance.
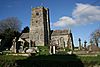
(39, 27)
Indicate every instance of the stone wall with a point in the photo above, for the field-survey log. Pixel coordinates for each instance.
(62, 38)
(39, 26)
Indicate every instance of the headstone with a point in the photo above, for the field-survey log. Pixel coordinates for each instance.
(50, 49)
(91, 43)
(14, 45)
(85, 44)
(54, 49)
(80, 44)
(0, 41)
(21, 50)
(32, 50)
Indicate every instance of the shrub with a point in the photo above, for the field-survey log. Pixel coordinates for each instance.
(67, 49)
(61, 53)
(43, 50)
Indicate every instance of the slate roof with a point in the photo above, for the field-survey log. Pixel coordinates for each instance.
(24, 35)
(59, 32)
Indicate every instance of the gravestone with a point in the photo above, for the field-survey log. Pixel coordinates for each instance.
(21, 50)
(80, 46)
(13, 48)
(91, 43)
(85, 44)
(0, 41)
(52, 47)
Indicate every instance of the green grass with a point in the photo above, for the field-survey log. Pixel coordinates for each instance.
(82, 58)
(11, 58)
(48, 59)
(90, 59)
(9, 61)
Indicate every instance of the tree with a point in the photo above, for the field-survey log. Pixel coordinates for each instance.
(95, 36)
(8, 35)
(25, 30)
(9, 28)
(11, 22)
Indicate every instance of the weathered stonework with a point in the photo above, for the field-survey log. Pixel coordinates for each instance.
(41, 35)
(62, 38)
(39, 27)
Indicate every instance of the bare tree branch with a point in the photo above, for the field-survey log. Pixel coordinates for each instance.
(12, 23)
(95, 36)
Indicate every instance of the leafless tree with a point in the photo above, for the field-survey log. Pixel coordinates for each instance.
(95, 36)
(11, 22)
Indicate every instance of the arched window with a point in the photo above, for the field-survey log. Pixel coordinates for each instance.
(62, 43)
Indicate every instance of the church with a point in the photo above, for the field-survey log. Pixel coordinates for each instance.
(40, 33)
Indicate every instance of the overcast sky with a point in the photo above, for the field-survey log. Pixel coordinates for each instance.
(81, 16)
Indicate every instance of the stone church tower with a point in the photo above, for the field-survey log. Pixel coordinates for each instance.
(39, 27)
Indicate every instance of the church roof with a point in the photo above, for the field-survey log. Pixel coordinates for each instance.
(24, 35)
(59, 32)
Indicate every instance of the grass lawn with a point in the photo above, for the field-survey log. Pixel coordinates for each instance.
(52, 60)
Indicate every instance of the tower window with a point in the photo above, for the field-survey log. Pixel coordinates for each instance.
(37, 14)
(36, 21)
